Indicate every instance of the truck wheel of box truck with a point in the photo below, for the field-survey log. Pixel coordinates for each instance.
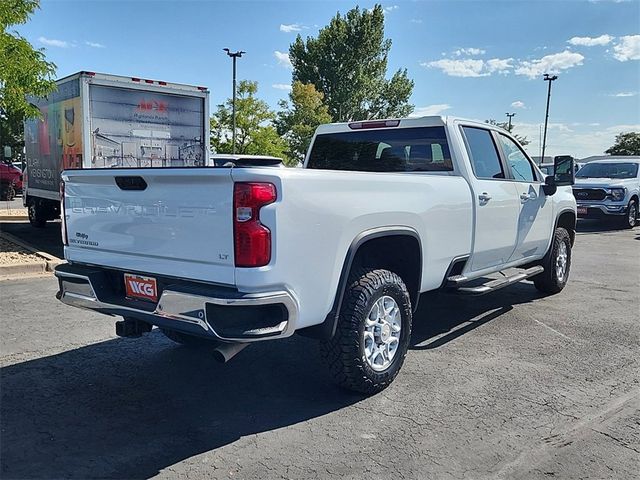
(37, 214)
(373, 332)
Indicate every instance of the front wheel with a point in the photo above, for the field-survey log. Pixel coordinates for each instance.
(630, 220)
(373, 332)
(7, 192)
(556, 263)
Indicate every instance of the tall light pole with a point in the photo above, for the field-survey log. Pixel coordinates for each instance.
(510, 116)
(547, 78)
(234, 56)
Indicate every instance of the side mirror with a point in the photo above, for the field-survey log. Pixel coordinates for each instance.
(563, 170)
(549, 186)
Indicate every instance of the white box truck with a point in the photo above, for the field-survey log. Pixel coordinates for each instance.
(95, 120)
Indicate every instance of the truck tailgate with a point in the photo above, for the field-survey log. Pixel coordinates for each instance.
(174, 221)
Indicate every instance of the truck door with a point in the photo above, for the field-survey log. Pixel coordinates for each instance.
(536, 209)
(496, 203)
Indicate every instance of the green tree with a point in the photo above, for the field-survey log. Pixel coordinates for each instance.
(505, 126)
(24, 71)
(347, 62)
(255, 132)
(626, 144)
(298, 120)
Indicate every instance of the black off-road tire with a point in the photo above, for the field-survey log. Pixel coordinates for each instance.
(7, 192)
(36, 213)
(188, 340)
(344, 353)
(627, 221)
(548, 281)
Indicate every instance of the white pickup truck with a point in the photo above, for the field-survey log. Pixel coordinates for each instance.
(340, 250)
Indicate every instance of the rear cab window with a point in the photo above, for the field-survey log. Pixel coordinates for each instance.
(419, 149)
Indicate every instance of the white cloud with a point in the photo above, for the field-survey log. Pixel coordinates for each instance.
(469, 51)
(416, 20)
(624, 94)
(283, 59)
(518, 104)
(430, 110)
(500, 65)
(471, 67)
(467, 67)
(591, 41)
(95, 45)
(292, 27)
(628, 48)
(52, 42)
(282, 86)
(553, 63)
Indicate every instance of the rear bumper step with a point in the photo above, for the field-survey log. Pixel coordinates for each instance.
(493, 285)
(230, 316)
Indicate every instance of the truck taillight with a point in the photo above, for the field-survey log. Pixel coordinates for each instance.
(63, 220)
(252, 240)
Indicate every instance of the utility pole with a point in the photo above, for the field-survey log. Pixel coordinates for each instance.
(550, 79)
(234, 56)
(510, 116)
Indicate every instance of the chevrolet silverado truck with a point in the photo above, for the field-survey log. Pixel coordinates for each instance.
(339, 250)
(609, 189)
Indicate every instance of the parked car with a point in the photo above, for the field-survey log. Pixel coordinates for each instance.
(547, 168)
(10, 181)
(609, 189)
(339, 250)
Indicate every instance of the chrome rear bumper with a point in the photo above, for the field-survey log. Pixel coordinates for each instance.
(187, 308)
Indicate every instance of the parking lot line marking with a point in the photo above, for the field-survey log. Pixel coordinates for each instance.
(552, 329)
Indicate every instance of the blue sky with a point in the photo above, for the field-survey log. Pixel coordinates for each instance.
(476, 59)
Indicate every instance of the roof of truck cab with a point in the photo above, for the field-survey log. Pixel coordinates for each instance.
(427, 121)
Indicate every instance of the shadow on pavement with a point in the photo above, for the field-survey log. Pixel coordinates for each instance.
(442, 317)
(47, 239)
(128, 408)
(598, 226)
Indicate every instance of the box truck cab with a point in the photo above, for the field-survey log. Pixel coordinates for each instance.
(96, 120)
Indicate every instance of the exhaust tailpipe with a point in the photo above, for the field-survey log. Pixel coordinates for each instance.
(226, 351)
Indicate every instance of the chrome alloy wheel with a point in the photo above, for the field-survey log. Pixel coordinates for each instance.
(633, 213)
(381, 334)
(561, 261)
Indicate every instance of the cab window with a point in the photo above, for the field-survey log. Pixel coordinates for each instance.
(520, 166)
(483, 153)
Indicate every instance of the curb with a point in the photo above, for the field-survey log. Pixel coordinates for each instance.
(32, 268)
(9, 218)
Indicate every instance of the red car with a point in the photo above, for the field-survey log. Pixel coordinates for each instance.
(10, 181)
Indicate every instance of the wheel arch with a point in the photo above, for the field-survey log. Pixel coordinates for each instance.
(370, 249)
(567, 220)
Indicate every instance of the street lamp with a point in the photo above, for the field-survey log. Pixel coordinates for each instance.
(509, 116)
(234, 56)
(547, 78)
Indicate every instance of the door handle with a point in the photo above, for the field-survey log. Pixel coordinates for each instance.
(524, 197)
(484, 197)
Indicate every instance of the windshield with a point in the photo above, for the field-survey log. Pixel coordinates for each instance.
(608, 170)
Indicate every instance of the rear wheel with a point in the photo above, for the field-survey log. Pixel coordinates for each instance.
(556, 263)
(37, 214)
(7, 192)
(188, 340)
(373, 332)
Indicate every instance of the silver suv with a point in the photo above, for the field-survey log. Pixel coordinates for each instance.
(609, 189)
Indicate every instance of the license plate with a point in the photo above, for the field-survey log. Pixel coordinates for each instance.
(144, 288)
(582, 210)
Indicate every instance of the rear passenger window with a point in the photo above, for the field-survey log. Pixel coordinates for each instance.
(483, 153)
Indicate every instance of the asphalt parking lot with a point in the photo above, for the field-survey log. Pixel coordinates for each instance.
(510, 385)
